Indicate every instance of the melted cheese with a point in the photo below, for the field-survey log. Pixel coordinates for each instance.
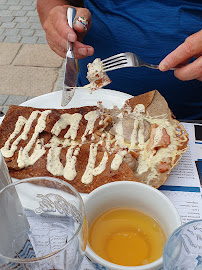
(141, 134)
(148, 161)
(158, 135)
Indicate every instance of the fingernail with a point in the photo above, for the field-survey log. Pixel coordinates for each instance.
(163, 66)
(90, 51)
(81, 21)
(71, 38)
(82, 51)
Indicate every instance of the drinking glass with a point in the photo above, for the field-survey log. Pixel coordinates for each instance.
(42, 225)
(4, 174)
(183, 249)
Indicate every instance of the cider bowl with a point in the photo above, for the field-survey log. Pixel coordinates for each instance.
(137, 196)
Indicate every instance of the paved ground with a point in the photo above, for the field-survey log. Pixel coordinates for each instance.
(28, 67)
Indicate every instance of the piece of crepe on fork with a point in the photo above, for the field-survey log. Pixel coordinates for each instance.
(96, 76)
(92, 145)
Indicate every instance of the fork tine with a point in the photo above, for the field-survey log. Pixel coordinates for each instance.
(113, 67)
(113, 57)
(122, 60)
(114, 62)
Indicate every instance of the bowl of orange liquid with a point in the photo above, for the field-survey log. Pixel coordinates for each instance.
(129, 223)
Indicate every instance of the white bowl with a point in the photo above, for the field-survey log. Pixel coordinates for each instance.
(140, 197)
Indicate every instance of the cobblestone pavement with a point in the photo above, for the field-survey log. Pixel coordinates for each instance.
(19, 24)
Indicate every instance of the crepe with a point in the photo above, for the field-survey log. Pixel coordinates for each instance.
(96, 76)
(91, 146)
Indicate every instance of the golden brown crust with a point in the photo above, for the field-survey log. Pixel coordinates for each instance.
(145, 99)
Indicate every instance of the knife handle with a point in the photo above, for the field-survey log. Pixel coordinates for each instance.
(71, 13)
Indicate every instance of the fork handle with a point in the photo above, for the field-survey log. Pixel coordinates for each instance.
(151, 66)
(157, 66)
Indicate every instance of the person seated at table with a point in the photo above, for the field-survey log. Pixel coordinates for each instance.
(165, 32)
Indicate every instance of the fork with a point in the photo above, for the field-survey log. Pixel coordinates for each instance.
(123, 60)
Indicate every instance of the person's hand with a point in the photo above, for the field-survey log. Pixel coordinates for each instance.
(192, 47)
(58, 31)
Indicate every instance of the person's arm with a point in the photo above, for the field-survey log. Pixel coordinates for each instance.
(53, 18)
(192, 47)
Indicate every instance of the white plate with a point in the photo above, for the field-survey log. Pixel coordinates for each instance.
(82, 97)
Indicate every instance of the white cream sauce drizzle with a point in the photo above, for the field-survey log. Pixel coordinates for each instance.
(108, 142)
(54, 142)
(65, 120)
(91, 170)
(118, 159)
(87, 177)
(119, 134)
(134, 134)
(101, 167)
(6, 152)
(138, 110)
(91, 118)
(54, 164)
(24, 160)
(70, 170)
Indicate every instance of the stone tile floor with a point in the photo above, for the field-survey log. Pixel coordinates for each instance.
(28, 67)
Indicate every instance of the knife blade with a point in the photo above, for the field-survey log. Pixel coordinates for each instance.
(70, 73)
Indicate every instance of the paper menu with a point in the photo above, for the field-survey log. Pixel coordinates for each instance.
(188, 203)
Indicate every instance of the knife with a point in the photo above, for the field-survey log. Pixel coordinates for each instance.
(70, 73)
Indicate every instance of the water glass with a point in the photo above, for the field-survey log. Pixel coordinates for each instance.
(42, 225)
(183, 249)
(4, 174)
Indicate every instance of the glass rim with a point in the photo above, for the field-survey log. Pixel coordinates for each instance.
(51, 179)
(175, 232)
